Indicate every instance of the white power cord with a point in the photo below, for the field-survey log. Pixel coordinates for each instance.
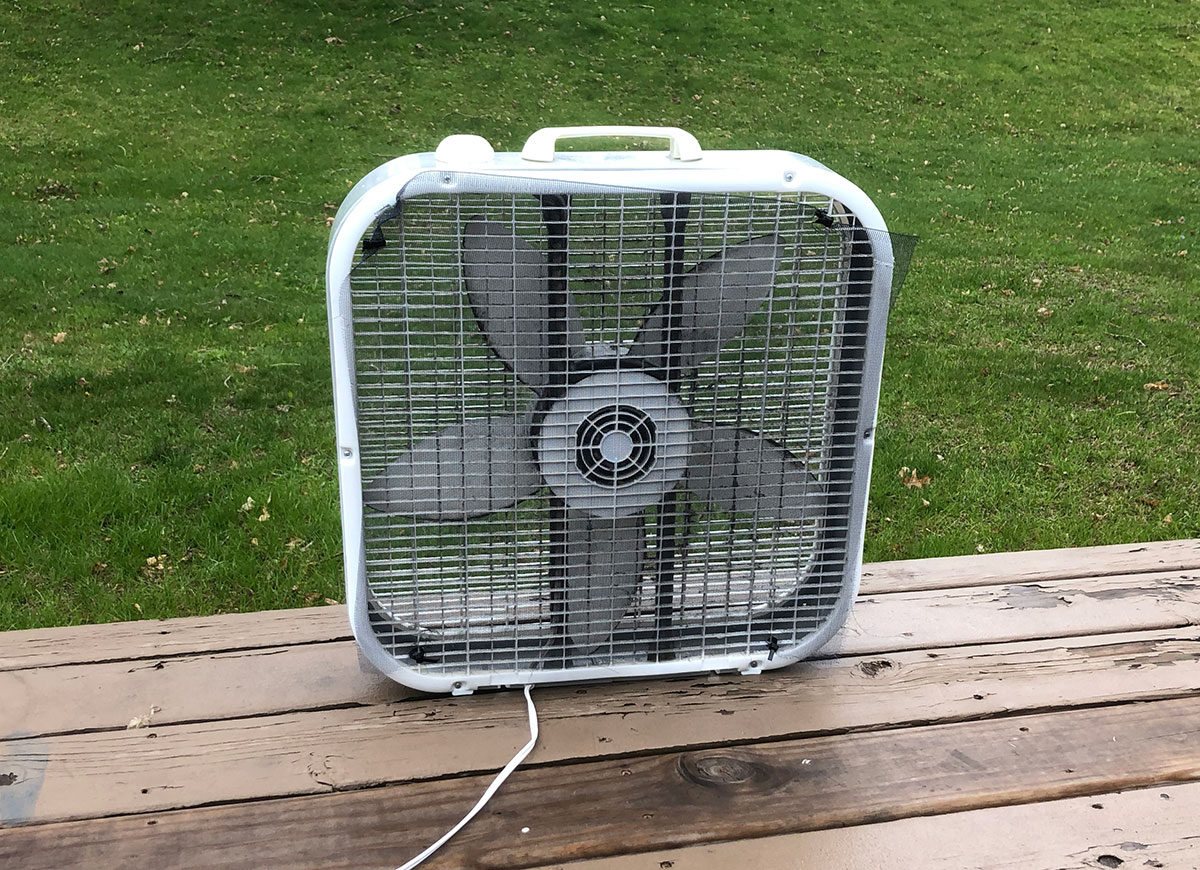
(522, 753)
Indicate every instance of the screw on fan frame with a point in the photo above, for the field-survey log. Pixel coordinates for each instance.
(732, 469)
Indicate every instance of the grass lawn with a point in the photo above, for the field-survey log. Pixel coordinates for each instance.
(168, 171)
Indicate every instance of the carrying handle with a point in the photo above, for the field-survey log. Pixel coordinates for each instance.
(539, 148)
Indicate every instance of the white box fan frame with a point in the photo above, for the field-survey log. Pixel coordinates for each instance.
(602, 414)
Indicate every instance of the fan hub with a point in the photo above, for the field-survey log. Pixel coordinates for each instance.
(614, 443)
(616, 447)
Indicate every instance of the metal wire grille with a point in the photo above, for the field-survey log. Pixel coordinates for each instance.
(567, 462)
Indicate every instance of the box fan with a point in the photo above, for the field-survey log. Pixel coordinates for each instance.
(602, 414)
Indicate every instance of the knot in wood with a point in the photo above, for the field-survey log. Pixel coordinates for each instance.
(875, 667)
(727, 770)
(723, 769)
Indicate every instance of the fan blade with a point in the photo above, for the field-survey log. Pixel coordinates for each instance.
(718, 298)
(506, 285)
(464, 471)
(741, 471)
(604, 563)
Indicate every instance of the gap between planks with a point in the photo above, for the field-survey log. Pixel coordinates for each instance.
(162, 767)
(553, 814)
(157, 638)
(314, 676)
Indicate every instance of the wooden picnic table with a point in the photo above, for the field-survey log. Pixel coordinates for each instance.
(1024, 710)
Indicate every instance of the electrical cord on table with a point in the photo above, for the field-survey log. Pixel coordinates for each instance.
(522, 753)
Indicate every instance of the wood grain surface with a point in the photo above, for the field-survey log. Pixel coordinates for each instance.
(165, 766)
(1140, 829)
(155, 638)
(308, 676)
(962, 706)
(667, 800)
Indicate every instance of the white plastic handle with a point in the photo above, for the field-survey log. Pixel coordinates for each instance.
(539, 148)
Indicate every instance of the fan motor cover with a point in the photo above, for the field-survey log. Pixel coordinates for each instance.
(602, 414)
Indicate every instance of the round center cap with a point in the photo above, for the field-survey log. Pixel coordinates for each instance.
(616, 447)
(614, 443)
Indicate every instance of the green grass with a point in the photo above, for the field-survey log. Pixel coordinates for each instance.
(167, 174)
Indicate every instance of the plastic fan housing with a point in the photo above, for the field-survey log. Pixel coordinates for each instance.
(602, 414)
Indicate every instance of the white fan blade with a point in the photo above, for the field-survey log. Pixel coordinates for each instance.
(604, 563)
(506, 285)
(718, 298)
(464, 471)
(741, 471)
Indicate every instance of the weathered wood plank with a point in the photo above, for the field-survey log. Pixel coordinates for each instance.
(189, 688)
(154, 638)
(311, 676)
(552, 814)
(1094, 605)
(114, 772)
(1031, 566)
(157, 638)
(1146, 828)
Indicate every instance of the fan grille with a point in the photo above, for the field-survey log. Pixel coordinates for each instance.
(483, 594)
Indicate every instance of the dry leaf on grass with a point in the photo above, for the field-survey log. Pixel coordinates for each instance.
(911, 479)
(1156, 385)
(156, 567)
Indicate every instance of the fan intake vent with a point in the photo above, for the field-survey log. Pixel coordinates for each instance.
(615, 446)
